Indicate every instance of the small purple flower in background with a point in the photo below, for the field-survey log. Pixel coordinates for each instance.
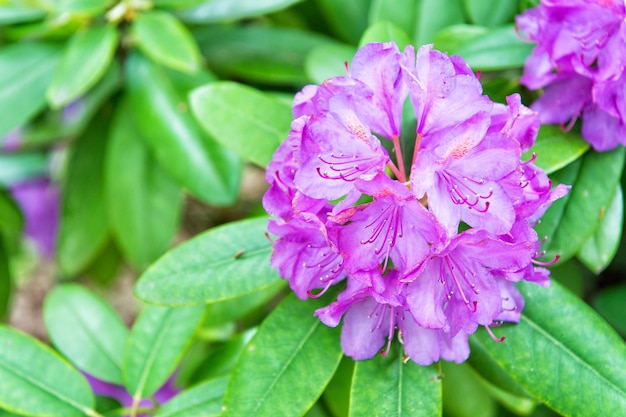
(38, 199)
(428, 251)
(119, 393)
(580, 62)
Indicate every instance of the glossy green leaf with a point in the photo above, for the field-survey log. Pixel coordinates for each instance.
(176, 4)
(384, 31)
(159, 339)
(394, 388)
(326, 61)
(556, 148)
(221, 360)
(347, 18)
(36, 381)
(84, 227)
(286, 365)
(463, 393)
(89, 7)
(144, 202)
(421, 19)
(243, 119)
(105, 267)
(164, 39)
(11, 222)
(85, 60)
(6, 280)
(576, 218)
(498, 49)
(21, 166)
(202, 400)
(451, 38)
(561, 342)
(10, 14)
(250, 52)
(598, 251)
(87, 331)
(337, 393)
(25, 71)
(193, 158)
(610, 302)
(223, 263)
(71, 120)
(220, 10)
(491, 13)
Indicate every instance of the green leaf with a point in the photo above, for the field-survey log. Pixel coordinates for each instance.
(561, 342)
(25, 71)
(220, 10)
(35, 381)
(247, 121)
(11, 222)
(421, 19)
(223, 263)
(347, 18)
(20, 166)
(384, 31)
(89, 7)
(6, 280)
(491, 13)
(10, 14)
(159, 339)
(394, 388)
(84, 228)
(337, 393)
(176, 4)
(556, 148)
(144, 202)
(250, 52)
(576, 218)
(463, 393)
(193, 158)
(611, 304)
(202, 400)
(326, 61)
(222, 359)
(287, 364)
(497, 49)
(85, 60)
(454, 37)
(598, 251)
(164, 39)
(87, 331)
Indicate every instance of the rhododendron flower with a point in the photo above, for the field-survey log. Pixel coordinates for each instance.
(427, 251)
(579, 61)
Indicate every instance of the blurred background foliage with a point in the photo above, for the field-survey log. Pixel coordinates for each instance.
(136, 124)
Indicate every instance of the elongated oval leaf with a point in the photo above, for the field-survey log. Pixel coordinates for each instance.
(491, 13)
(84, 226)
(219, 10)
(193, 158)
(35, 381)
(385, 31)
(87, 331)
(243, 119)
(286, 365)
(497, 49)
(159, 339)
(463, 393)
(6, 280)
(563, 353)
(91, 7)
(327, 61)
(25, 70)
(11, 222)
(394, 388)
(164, 39)
(337, 14)
(575, 219)
(19, 14)
(202, 400)
(85, 60)
(226, 262)
(555, 148)
(598, 251)
(144, 202)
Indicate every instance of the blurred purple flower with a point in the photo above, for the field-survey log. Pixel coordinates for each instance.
(118, 392)
(430, 250)
(39, 201)
(579, 61)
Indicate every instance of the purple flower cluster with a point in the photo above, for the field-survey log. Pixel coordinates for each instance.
(429, 249)
(579, 61)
